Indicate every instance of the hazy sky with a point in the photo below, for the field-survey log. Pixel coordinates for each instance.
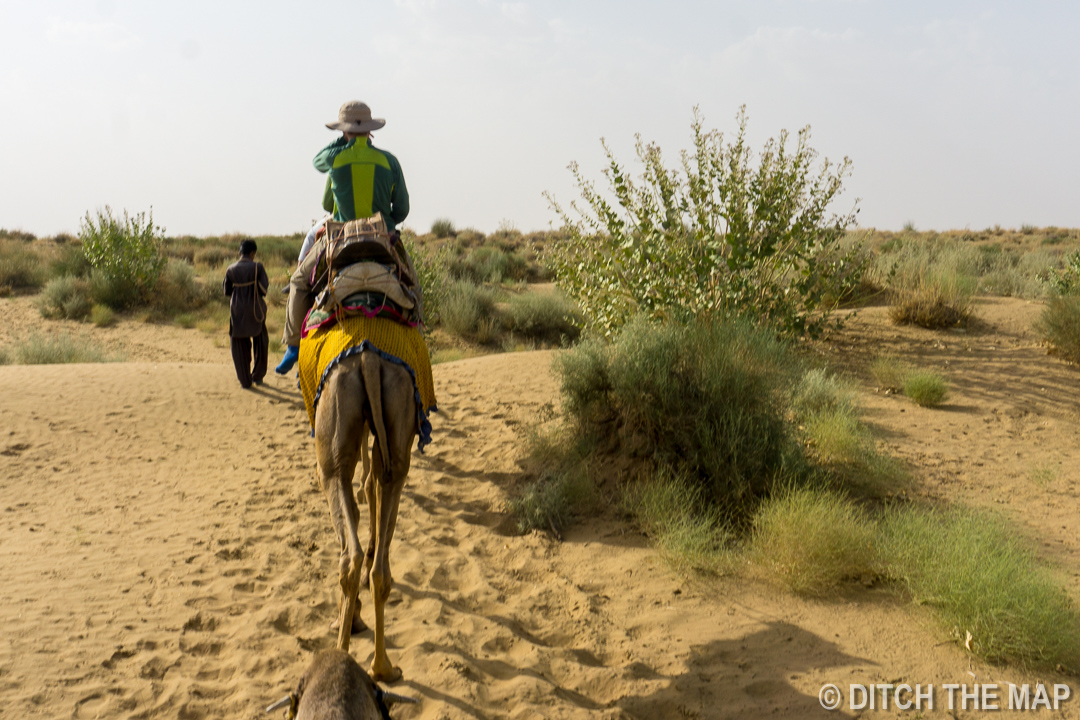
(955, 113)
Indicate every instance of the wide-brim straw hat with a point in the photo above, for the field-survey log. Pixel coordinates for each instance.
(355, 117)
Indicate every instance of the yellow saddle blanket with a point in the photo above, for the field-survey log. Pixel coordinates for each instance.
(324, 348)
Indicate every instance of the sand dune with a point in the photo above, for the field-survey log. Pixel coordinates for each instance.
(165, 552)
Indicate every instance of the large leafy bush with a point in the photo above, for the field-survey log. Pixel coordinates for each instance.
(719, 236)
(126, 255)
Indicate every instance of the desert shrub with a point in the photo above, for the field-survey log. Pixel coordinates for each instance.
(932, 281)
(932, 305)
(490, 264)
(214, 256)
(102, 315)
(18, 235)
(546, 317)
(70, 259)
(811, 540)
(563, 485)
(56, 349)
(469, 311)
(20, 266)
(1059, 324)
(720, 237)
(65, 297)
(178, 289)
(443, 228)
(126, 255)
(549, 502)
(820, 391)
(983, 579)
(705, 401)
(927, 389)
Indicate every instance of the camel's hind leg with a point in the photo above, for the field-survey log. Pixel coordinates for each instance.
(384, 494)
(338, 424)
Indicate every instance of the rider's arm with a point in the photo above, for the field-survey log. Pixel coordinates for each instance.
(399, 195)
(328, 196)
(325, 159)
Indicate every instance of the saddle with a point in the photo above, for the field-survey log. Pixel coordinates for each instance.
(365, 268)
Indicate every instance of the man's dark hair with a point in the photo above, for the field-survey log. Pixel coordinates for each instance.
(248, 247)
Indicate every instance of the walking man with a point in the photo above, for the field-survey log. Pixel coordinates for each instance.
(363, 181)
(246, 283)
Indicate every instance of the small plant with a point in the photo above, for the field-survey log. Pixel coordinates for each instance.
(65, 297)
(927, 389)
(890, 372)
(126, 255)
(687, 531)
(443, 228)
(102, 315)
(811, 540)
(1044, 474)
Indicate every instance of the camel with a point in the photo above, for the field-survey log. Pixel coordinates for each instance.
(365, 392)
(334, 686)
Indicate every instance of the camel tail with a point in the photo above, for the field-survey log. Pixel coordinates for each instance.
(370, 369)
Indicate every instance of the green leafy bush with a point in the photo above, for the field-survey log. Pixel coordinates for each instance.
(65, 297)
(126, 254)
(430, 264)
(718, 238)
(1066, 280)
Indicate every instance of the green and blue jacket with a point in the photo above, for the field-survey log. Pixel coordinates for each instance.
(363, 180)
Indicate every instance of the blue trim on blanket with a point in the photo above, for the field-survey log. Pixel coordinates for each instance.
(422, 423)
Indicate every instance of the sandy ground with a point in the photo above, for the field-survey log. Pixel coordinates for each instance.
(165, 551)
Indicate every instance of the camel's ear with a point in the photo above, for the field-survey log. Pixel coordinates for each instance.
(292, 700)
(390, 698)
(287, 700)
